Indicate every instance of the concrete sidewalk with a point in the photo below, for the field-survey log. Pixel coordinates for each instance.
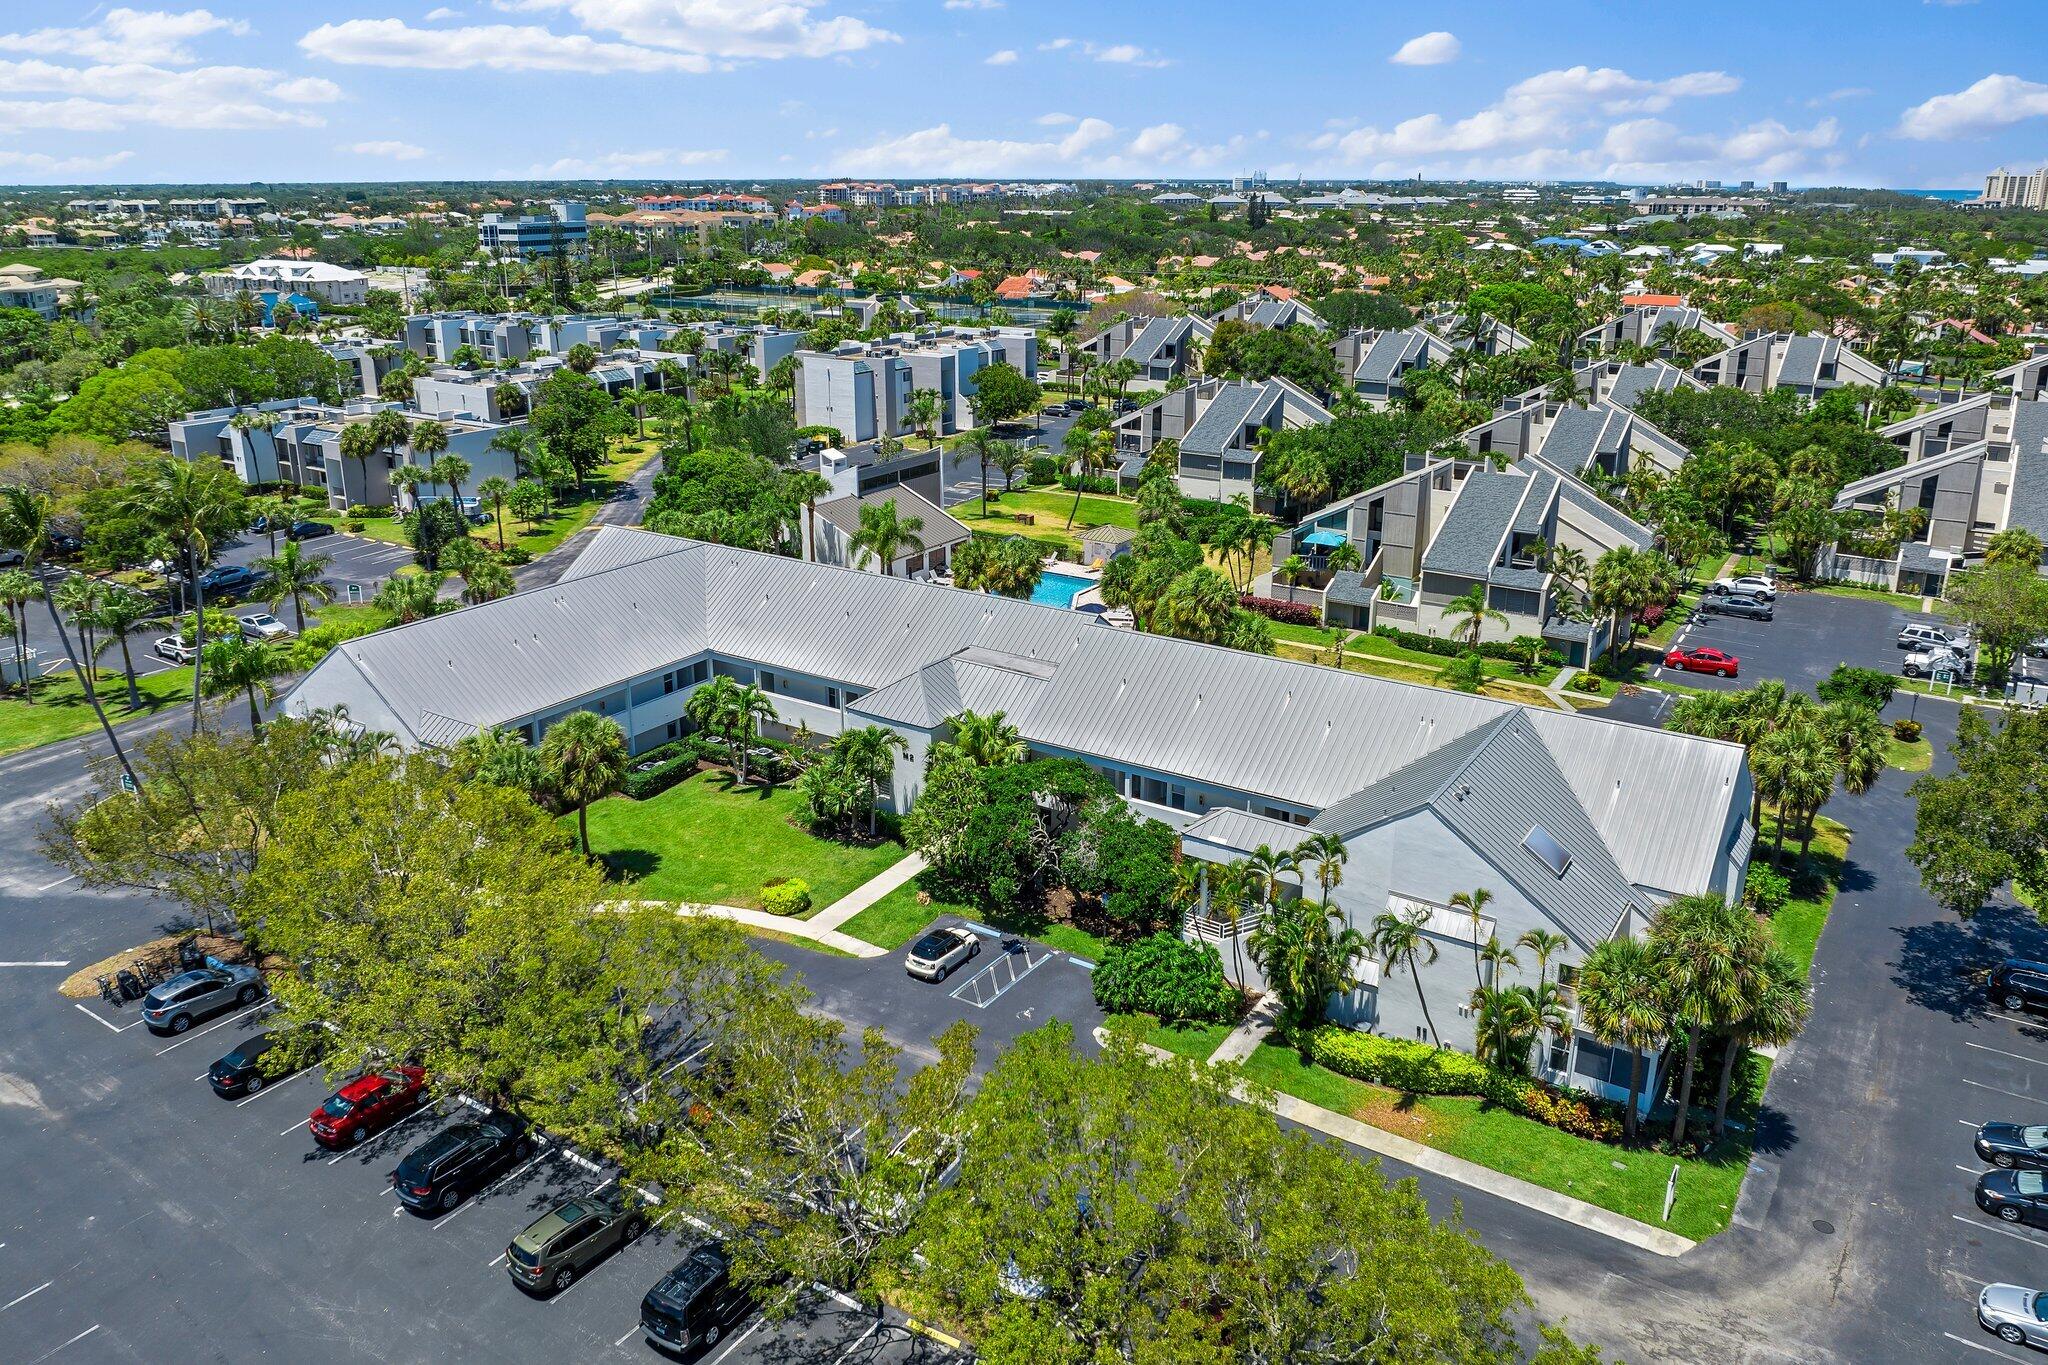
(1244, 1040)
(781, 924)
(866, 894)
(1380, 1142)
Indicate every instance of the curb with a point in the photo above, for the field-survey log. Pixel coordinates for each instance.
(950, 1342)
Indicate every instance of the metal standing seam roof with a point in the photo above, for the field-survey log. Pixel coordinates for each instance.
(1242, 830)
(1263, 726)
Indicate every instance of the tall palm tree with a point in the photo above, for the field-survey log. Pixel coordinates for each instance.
(1230, 889)
(988, 739)
(1498, 958)
(1400, 939)
(1473, 611)
(583, 757)
(451, 470)
(237, 665)
(1328, 853)
(1091, 451)
(1474, 904)
(1625, 582)
(1620, 1003)
(750, 706)
(359, 442)
(868, 754)
(1706, 951)
(885, 534)
(123, 612)
(391, 431)
(495, 490)
(80, 596)
(194, 505)
(295, 576)
(1774, 1007)
(1544, 945)
(18, 588)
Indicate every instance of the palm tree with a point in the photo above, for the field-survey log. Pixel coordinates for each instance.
(1091, 452)
(296, 576)
(1344, 558)
(359, 442)
(1508, 1020)
(451, 470)
(1498, 958)
(868, 756)
(18, 588)
(1399, 938)
(411, 596)
(1773, 1010)
(495, 490)
(750, 706)
(1474, 904)
(988, 740)
(237, 665)
(924, 409)
(885, 534)
(1012, 459)
(80, 595)
(123, 612)
(711, 707)
(583, 757)
(1705, 950)
(1620, 998)
(391, 431)
(486, 580)
(1626, 581)
(193, 504)
(1307, 952)
(1329, 854)
(1545, 945)
(1473, 611)
(1291, 569)
(1230, 888)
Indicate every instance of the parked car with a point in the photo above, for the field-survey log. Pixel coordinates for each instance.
(933, 957)
(176, 648)
(307, 530)
(458, 1161)
(567, 1240)
(2014, 1196)
(9, 558)
(2018, 983)
(1703, 660)
(2013, 1145)
(201, 993)
(228, 580)
(2016, 1314)
(695, 1304)
(1760, 586)
(64, 543)
(1938, 663)
(1737, 604)
(366, 1105)
(244, 1072)
(262, 625)
(1921, 637)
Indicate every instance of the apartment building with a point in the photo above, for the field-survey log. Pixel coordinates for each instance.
(277, 275)
(1657, 326)
(1220, 426)
(831, 525)
(863, 389)
(2024, 379)
(566, 225)
(1489, 336)
(216, 207)
(364, 364)
(505, 395)
(26, 286)
(2021, 190)
(1271, 307)
(1376, 364)
(1159, 347)
(1808, 365)
(297, 441)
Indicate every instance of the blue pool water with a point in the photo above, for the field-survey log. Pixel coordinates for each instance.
(1059, 589)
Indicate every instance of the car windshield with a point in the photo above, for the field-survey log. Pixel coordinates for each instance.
(2030, 1182)
(338, 1106)
(2035, 1135)
(2039, 1307)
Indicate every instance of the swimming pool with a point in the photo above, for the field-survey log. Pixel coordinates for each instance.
(1059, 589)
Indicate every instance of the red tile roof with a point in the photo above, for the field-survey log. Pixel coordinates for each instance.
(1652, 300)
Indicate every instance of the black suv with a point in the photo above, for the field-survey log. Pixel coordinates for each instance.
(695, 1304)
(2019, 983)
(458, 1161)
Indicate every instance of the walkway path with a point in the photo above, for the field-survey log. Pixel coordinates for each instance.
(866, 894)
(780, 924)
(1244, 1040)
(1379, 1141)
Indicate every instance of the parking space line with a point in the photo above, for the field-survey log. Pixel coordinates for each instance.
(2037, 1099)
(2022, 1020)
(118, 1028)
(349, 1151)
(211, 1027)
(1969, 1123)
(1993, 1227)
(733, 1344)
(59, 882)
(2037, 1061)
(272, 1085)
(470, 1202)
(54, 1349)
(1970, 1170)
(1980, 1346)
(1008, 961)
(31, 1294)
(846, 1354)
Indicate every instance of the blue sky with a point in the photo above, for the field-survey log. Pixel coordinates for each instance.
(1905, 93)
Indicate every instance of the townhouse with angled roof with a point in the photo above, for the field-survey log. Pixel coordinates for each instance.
(1808, 365)
(1489, 336)
(1376, 364)
(1265, 308)
(2027, 378)
(1602, 436)
(1657, 326)
(1220, 425)
(1579, 825)
(1159, 347)
(1620, 383)
(830, 526)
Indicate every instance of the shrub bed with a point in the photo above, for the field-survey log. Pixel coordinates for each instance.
(786, 896)
(1418, 1069)
(1514, 651)
(662, 767)
(1071, 482)
(1169, 977)
(1278, 609)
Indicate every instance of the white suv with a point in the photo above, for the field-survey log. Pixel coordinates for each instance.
(1934, 637)
(176, 649)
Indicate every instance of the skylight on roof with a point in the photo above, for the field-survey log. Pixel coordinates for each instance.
(1545, 846)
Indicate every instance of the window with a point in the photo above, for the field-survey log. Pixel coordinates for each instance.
(675, 729)
(1548, 850)
(767, 681)
(832, 697)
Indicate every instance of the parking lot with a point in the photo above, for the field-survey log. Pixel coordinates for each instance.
(1812, 633)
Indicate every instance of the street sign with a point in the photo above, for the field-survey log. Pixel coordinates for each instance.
(355, 592)
(127, 783)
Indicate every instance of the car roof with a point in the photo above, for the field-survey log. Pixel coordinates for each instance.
(940, 939)
(2026, 964)
(558, 1218)
(363, 1085)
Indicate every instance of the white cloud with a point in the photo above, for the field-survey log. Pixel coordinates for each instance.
(1160, 138)
(1091, 147)
(127, 35)
(306, 90)
(1006, 57)
(101, 98)
(1053, 120)
(495, 47)
(434, 16)
(1847, 92)
(974, 4)
(731, 29)
(43, 164)
(1056, 45)
(389, 148)
(1428, 49)
(626, 165)
(1994, 102)
(1116, 54)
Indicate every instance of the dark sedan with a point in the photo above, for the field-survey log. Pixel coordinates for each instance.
(2014, 1196)
(307, 530)
(2013, 1145)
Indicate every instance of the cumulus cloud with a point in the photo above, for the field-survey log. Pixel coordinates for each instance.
(103, 98)
(1994, 102)
(1092, 146)
(1116, 54)
(974, 4)
(1005, 57)
(626, 165)
(127, 35)
(389, 148)
(61, 167)
(1428, 49)
(731, 29)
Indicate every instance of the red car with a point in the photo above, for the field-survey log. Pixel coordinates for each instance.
(368, 1104)
(1703, 661)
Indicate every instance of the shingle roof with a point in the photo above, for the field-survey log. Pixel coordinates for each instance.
(1804, 356)
(1633, 381)
(1289, 732)
(1577, 435)
(1347, 588)
(1221, 424)
(1145, 347)
(2028, 504)
(1390, 352)
(1470, 538)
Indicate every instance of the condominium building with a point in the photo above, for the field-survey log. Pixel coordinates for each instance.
(276, 275)
(1221, 427)
(1807, 365)
(863, 389)
(565, 226)
(2016, 190)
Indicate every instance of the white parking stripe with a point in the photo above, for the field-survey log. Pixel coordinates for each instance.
(2037, 1061)
(35, 964)
(1993, 1227)
(733, 1344)
(59, 882)
(269, 1086)
(2037, 1099)
(1971, 1170)
(54, 1349)
(423, 1109)
(847, 1354)
(264, 1004)
(470, 1202)
(31, 1294)
(1980, 1346)
(118, 1028)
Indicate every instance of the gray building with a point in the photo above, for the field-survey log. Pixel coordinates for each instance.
(1808, 365)
(1159, 347)
(1220, 426)
(831, 526)
(1657, 326)
(1376, 363)
(863, 389)
(563, 227)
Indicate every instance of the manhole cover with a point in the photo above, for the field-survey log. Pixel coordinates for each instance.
(1823, 1225)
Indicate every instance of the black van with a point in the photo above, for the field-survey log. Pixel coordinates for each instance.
(695, 1304)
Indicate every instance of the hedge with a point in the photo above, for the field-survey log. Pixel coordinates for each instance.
(1515, 651)
(1071, 482)
(1278, 609)
(1419, 1069)
(1043, 469)
(665, 765)
(787, 896)
(1167, 976)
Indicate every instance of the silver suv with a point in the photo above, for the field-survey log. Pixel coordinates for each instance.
(1919, 636)
(199, 994)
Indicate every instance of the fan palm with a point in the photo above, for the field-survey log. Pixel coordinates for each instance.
(411, 597)
(234, 665)
(1773, 1010)
(1620, 1003)
(1706, 954)
(486, 580)
(1399, 938)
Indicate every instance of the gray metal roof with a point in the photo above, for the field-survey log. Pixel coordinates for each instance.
(1391, 352)
(1221, 425)
(2028, 499)
(1804, 355)
(1243, 830)
(1470, 538)
(938, 526)
(1292, 732)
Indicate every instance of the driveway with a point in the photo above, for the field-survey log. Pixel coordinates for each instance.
(1812, 634)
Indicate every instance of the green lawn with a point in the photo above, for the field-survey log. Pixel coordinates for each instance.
(1381, 647)
(1048, 508)
(59, 710)
(1628, 1182)
(703, 842)
(1197, 1042)
(896, 918)
(1315, 637)
(1915, 756)
(1797, 926)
